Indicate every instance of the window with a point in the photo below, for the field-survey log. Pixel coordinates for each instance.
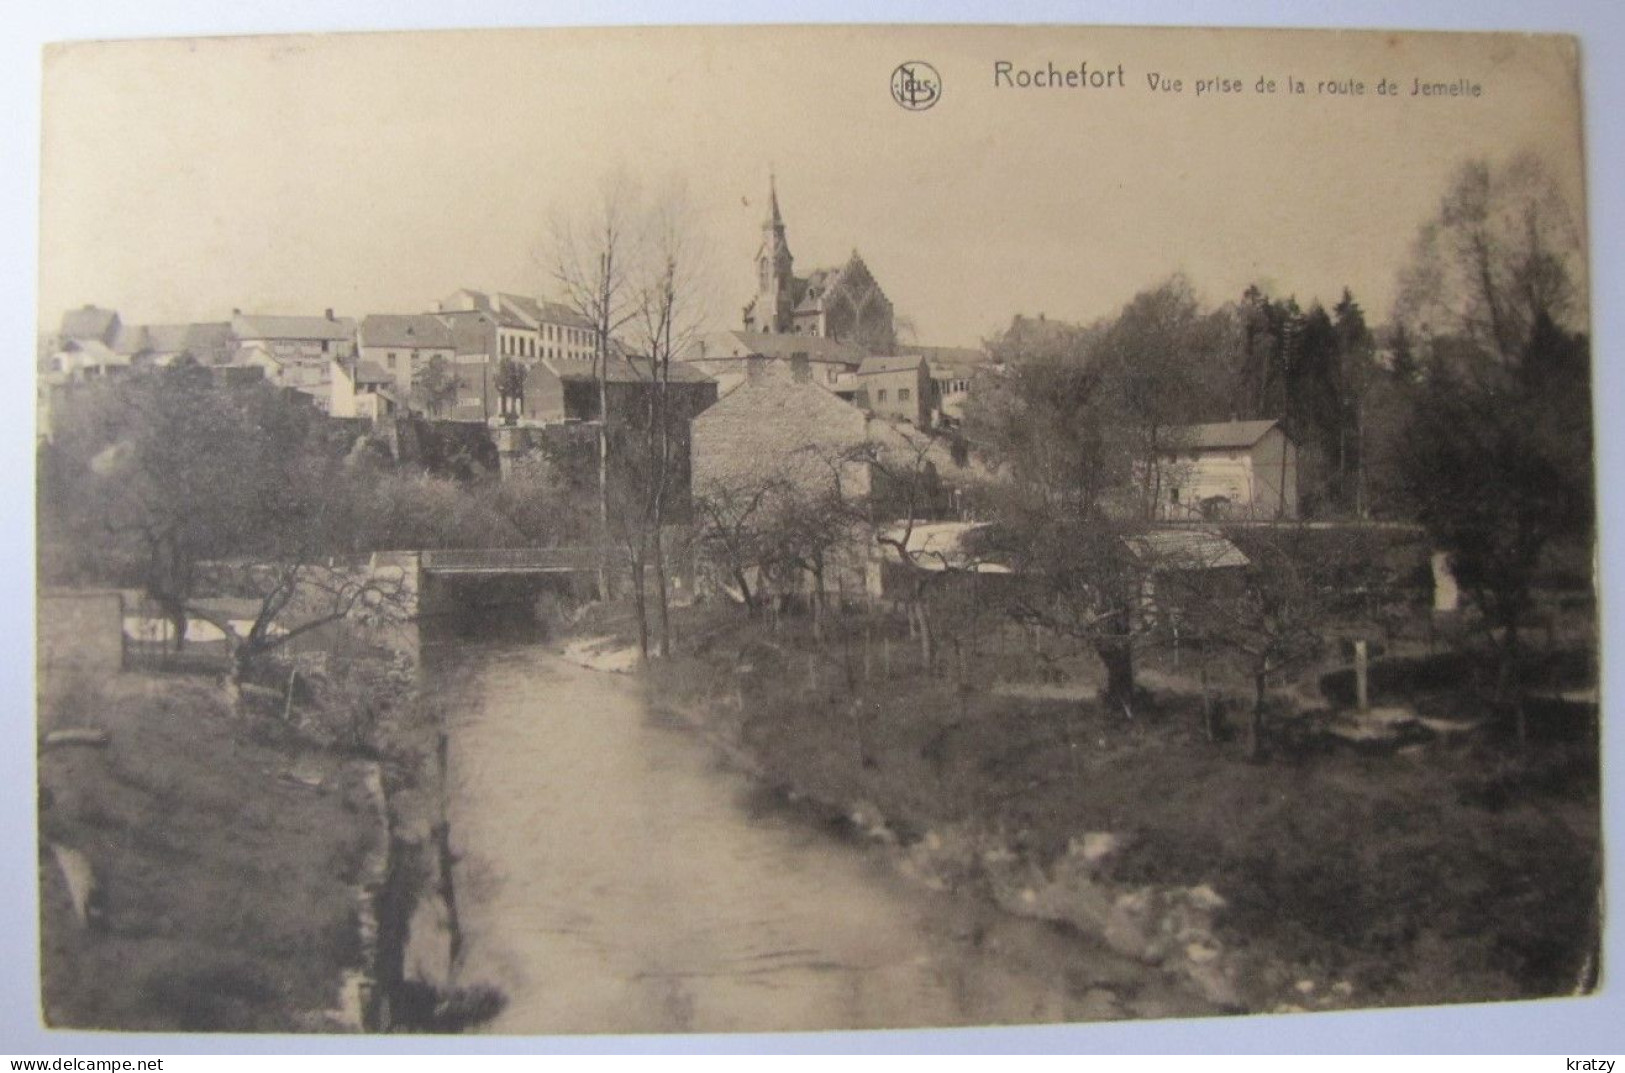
(902, 394)
(880, 396)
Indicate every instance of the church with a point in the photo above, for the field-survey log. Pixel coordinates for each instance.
(844, 304)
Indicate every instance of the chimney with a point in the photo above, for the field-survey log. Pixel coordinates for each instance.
(329, 312)
(236, 312)
(800, 369)
(755, 367)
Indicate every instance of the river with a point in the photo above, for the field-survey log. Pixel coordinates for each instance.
(616, 876)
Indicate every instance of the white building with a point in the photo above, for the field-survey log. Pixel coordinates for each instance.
(1232, 469)
(404, 344)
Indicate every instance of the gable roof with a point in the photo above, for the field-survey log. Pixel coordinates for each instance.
(274, 326)
(557, 313)
(774, 427)
(1221, 435)
(131, 339)
(729, 345)
(907, 363)
(408, 330)
(90, 322)
(168, 338)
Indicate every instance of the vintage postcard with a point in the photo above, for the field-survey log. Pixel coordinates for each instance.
(668, 530)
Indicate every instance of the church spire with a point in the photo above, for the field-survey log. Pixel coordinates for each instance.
(774, 220)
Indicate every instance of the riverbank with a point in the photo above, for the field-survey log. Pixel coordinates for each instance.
(1324, 878)
(273, 858)
(198, 872)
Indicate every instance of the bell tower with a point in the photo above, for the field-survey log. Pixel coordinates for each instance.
(774, 278)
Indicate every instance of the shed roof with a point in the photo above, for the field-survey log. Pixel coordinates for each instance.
(624, 372)
(1222, 434)
(1186, 549)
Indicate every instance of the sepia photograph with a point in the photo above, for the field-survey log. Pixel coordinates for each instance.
(743, 529)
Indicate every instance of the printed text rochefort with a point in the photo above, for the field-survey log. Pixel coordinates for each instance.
(1006, 75)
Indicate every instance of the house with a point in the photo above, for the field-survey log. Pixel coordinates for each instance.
(844, 303)
(404, 345)
(297, 351)
(952, 371)
(782, 427)
(1230, 469)
(779, 427)
(526, 327)
(208, 343)
(361, 388)
(86, 324)
(628, 391)
(488, 329)
(627, 387)
(896, 387)
(725, 355)
(88, 359)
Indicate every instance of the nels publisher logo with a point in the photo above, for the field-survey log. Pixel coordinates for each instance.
(916, 85)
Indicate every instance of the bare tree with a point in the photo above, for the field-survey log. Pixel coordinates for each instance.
(667, 317)
(590, 260)
(1502, 250)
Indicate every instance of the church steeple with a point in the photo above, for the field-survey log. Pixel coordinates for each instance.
(775, 281)
(774, 220)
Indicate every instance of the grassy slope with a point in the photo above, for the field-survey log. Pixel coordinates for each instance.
(227, 898)
(1463, 873)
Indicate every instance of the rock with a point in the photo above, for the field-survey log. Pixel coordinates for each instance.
(1414, 753)
(1304, 987)
(1201, 953)
(1342, 989)
(1205, 898)
(83, 889)
(868, 819)
(1215, 982)
(1287, 1007)
(1095, 846)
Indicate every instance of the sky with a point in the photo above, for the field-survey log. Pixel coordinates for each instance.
(379, 172)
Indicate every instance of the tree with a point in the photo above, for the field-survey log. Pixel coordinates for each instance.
(510, 385)
(1502, 251)
(163, 470)
(1160, 358)
(200, 490)
(434, 386)
(1499, 467)
(633, 271)
(1275, 613)
(735, 524)
(1047, 423)
(590, 261)
(667, 319)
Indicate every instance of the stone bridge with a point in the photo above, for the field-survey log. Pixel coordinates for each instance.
(460, 579)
